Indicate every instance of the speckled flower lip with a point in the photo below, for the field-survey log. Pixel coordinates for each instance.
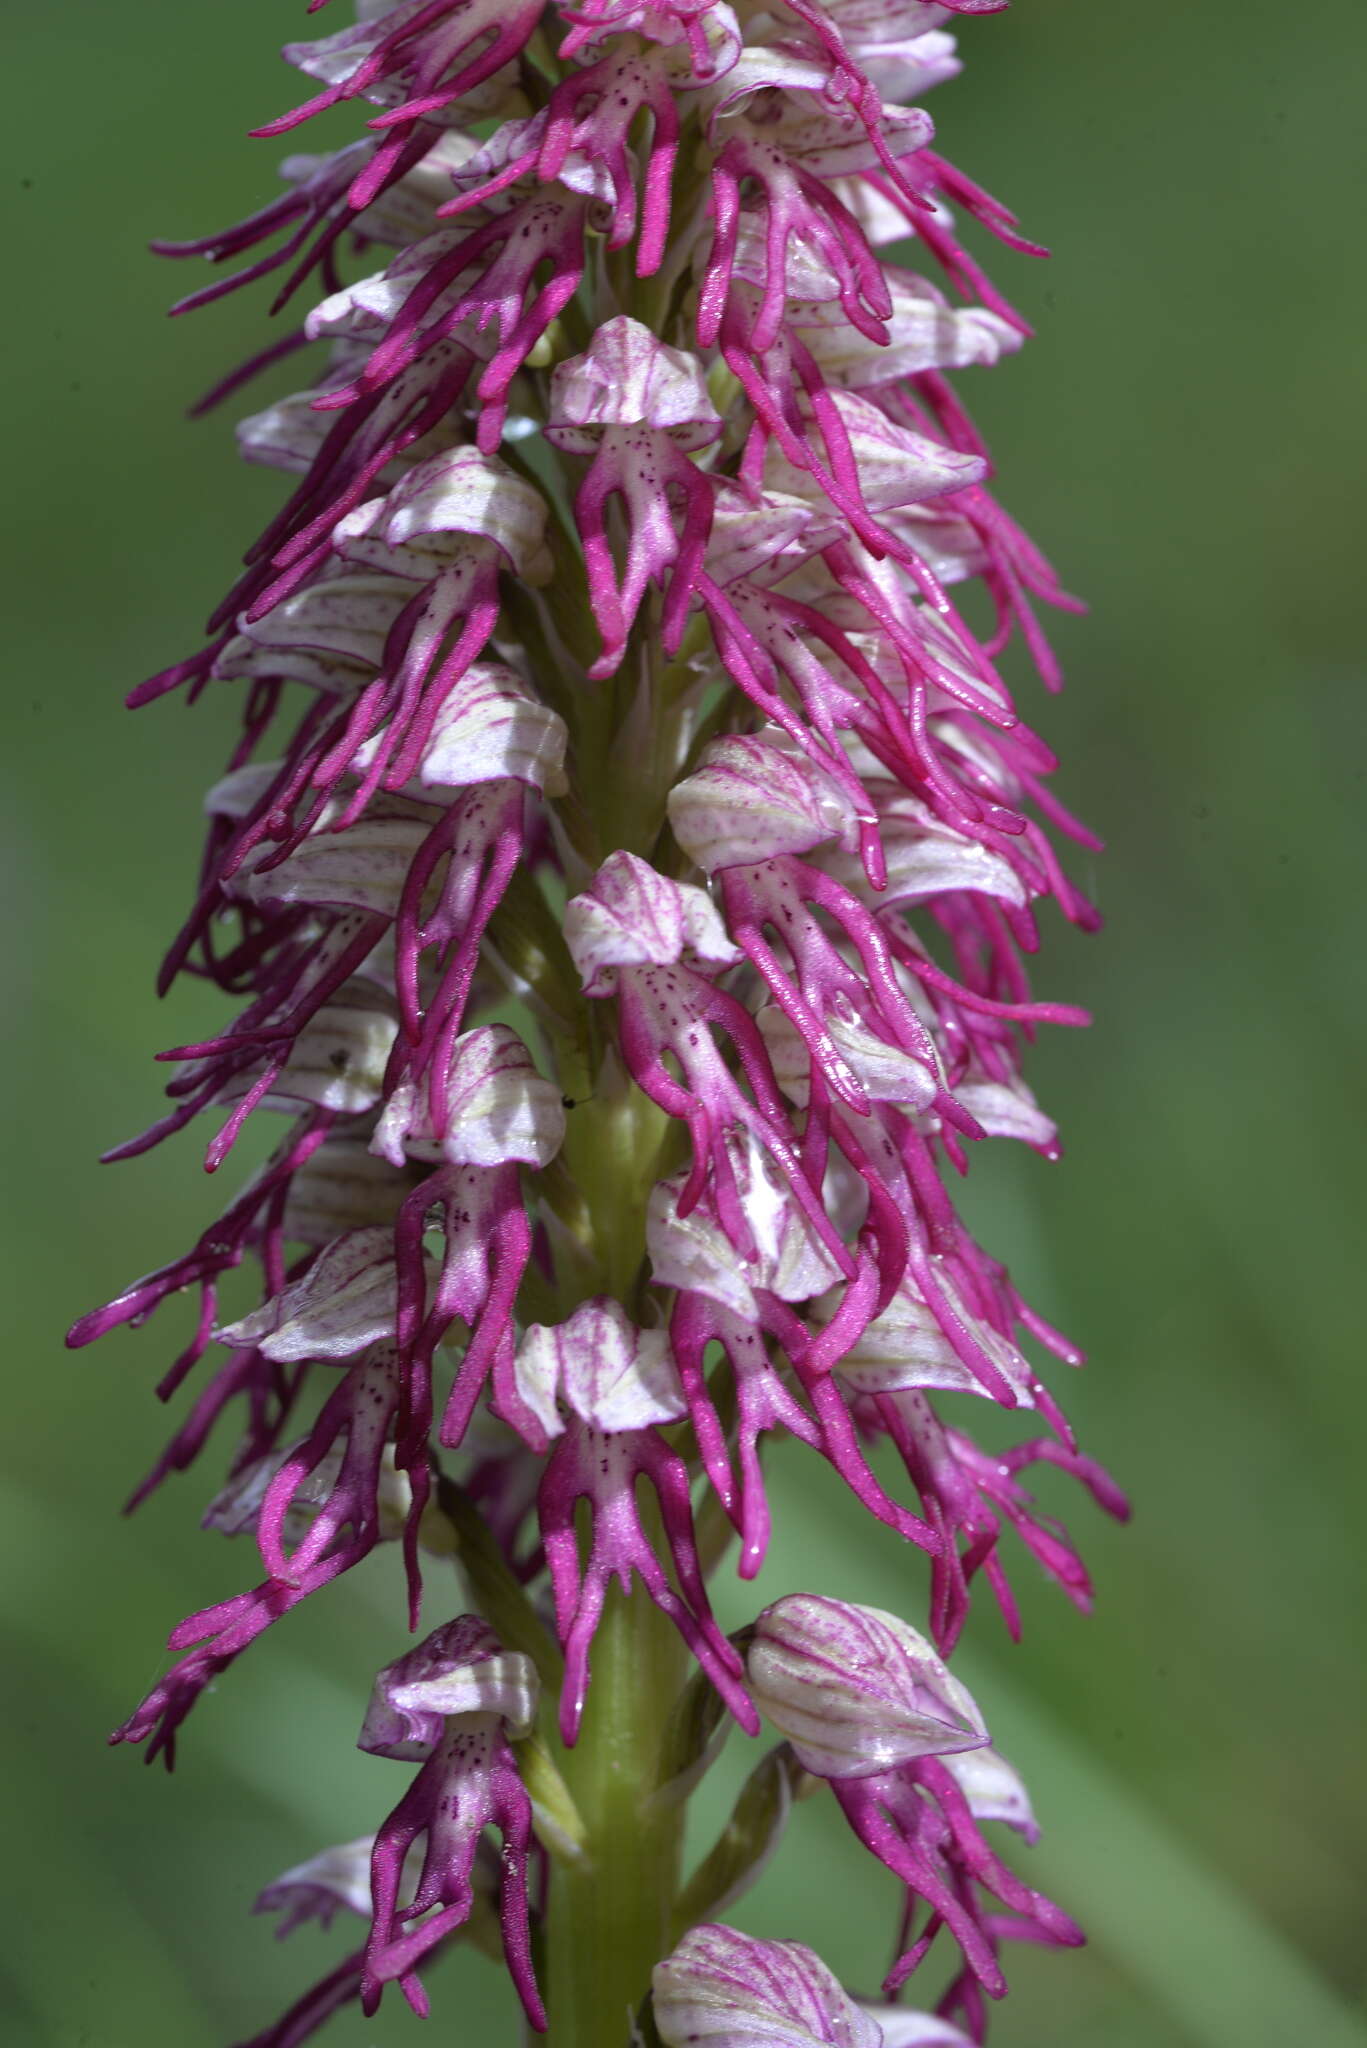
(625, 880)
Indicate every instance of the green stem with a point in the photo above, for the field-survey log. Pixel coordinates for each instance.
(610, 1909)
(618, 1144)
(609, 1915)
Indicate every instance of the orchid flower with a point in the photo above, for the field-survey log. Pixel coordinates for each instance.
(624, 886)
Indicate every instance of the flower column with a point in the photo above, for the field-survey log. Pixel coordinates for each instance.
(626, 875)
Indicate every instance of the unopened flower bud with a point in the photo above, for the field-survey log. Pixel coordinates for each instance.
(854, 1689)
(729, 1990)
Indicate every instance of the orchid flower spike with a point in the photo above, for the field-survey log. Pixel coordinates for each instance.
(623, 888)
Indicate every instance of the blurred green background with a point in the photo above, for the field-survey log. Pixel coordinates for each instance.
(1187, 438)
